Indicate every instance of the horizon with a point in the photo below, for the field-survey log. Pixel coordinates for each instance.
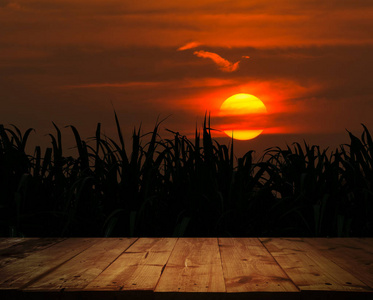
(72, 62)
(259, 145)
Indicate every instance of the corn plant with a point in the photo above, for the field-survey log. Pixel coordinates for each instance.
(179, 186)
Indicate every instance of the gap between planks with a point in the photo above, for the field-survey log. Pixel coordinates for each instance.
(246, 264)
(249, 267)
(84, 267)
(137, 269)
(311, 271)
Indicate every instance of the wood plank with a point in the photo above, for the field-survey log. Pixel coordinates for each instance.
(36, 265)
(248, 267)
(309, 269)
(138, 268)
(7, 242)
(365, 243)
(78, 272)
(194, 266)
(203, 268)
(352, 254)
(25, 247)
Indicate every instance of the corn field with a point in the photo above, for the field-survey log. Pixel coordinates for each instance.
(182, 187)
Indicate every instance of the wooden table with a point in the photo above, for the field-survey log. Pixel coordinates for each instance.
(186, 268)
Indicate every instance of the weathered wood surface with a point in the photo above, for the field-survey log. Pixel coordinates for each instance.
(352, 255)
(248, 267)
(186, 268)
(137, 269)
(33, 267)
(19, 248)
(7, 242)
(311, 271)
(194, 266)
(82, 269)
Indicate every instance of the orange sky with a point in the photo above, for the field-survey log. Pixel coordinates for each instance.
(68, 61)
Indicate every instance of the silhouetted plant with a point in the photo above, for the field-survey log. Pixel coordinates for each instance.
(177, 186)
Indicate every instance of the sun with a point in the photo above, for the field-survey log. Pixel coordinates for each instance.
(243, 115)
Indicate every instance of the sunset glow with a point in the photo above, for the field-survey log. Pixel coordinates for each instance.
(239, 108)
(72, 61)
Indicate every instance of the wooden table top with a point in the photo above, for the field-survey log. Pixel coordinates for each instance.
(186, 268)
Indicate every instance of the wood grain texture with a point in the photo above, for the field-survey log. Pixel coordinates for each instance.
(365, 243)
(248, 267)
(309, 269)
(138, 268)
(352, 254)
(194, 266)
(7, 242)
(78, 272)
(23, 248)
(29, 269)
(186, 268)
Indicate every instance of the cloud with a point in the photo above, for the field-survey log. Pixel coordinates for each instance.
(190, 45)
(9, 4)
(135, 84)
(223, 64)
(4, 3)
(183, 83)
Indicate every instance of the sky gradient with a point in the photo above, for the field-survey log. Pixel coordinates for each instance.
(71, 61)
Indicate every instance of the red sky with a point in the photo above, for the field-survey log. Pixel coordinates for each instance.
(68, 61)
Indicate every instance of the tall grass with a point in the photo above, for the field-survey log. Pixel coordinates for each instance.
(182, 187)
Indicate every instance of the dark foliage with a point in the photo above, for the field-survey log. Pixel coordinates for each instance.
(179, 187)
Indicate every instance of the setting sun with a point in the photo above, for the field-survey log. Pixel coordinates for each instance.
(244, 114)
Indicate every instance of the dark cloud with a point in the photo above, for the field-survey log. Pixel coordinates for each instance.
(61, 60)
(4, 3)
(114, 7)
